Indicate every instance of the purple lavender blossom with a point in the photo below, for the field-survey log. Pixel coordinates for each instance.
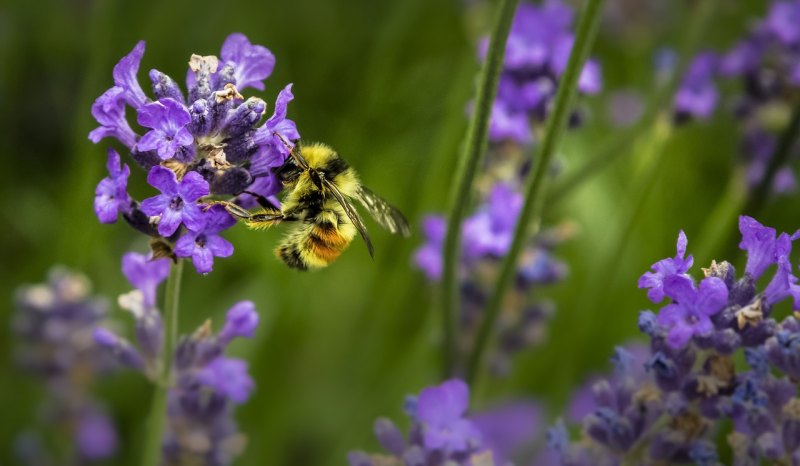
(692, 308)
(782, 21)
(228, 376)
(664, 268)
(252, 64)
(54, 322)
(111, 195)
(505, 429)
(241, 321)
(167, 119)
(109, 111)
(429, 256)
(536, 55)
(697, 95)
(205, 244)
(145, 273)
(440, 434)
(441, 412)
(177, 202)
(692, 385)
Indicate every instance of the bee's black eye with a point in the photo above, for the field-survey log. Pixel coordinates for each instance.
(289, 171)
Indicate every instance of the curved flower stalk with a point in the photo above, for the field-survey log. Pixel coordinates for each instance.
(205, 386)
(538, 46)
(687, 393)
(54, 322)
(209, 141)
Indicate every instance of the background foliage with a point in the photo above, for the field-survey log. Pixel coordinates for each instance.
(387, 83)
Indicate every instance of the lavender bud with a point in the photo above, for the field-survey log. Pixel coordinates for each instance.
(165, 87)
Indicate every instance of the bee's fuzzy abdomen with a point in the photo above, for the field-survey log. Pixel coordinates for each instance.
(291, 256)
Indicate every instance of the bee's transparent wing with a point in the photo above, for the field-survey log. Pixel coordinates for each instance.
(383, 212)
(351, 213)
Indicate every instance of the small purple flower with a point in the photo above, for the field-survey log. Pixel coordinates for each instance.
(252, 64)
(241, 321)
(692, 308)
(111, 195)
(782, 21)
(272, 149)
(697, 96)
(491, 230)
(229, 377)
(664, 268)
(145, 274)
(177, 202)
(96, 437)
(441, 411)
(506, 428)
(506, 124)
(109, 111)
(167, 119)
(204, 244)
(125, 76)
(429, 257)
(760, 243)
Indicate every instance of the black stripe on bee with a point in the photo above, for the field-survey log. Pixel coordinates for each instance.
(333, 167)
(290, 255)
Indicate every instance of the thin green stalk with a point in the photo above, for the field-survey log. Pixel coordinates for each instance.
(531, 210)
(761, 193)
(158, 408)
(468, 163)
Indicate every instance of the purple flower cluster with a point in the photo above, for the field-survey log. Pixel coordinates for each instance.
(206, 385)
(440, 433)
(54, 323)
(487, 236)
(691, 389)
(209, 141)
(766, 64)
(536, 56)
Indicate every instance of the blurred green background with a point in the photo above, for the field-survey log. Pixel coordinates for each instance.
(387, 84)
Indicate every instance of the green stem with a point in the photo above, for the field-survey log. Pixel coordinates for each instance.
(761, 193)
(158, 409)
(531, 210)
(468, 163)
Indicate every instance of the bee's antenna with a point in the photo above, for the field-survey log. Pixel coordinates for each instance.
(283, 140)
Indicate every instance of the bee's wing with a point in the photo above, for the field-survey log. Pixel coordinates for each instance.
(383, 212)
(351, 213)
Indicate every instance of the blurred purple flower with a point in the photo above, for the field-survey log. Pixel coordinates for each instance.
(229, 377)
(441, 411)
(241, 321)
(145, 274)
(697, 95)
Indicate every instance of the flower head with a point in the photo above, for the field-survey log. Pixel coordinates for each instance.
(241, 321)
(145, 274)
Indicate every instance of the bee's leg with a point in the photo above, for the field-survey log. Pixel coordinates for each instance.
(233, 209)
(263, 201)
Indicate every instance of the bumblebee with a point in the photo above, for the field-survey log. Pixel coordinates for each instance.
(320, 185)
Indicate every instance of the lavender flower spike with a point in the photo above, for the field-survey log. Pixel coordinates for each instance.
(111, 195)
(176, 203)
(664, 268)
